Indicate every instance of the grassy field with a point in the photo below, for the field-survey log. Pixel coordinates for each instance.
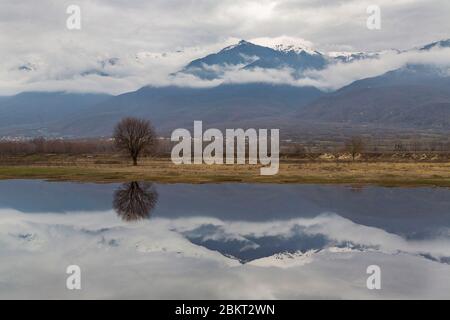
(117, 169)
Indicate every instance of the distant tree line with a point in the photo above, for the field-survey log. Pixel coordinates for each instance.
(134, 138)
(358, 145)
(56, 146)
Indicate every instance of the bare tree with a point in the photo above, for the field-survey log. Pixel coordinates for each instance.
(135, 200)
(354, 146)
(134, 136)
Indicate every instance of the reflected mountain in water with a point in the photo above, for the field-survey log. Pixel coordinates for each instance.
(309, 240)
(135, 200)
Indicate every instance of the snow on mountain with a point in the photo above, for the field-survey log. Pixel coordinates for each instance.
(247, 55)
(286, 44)
(282, 53)
(276, 60)
(437, 44)
(296, 49)
(344, 56)
(286, 260)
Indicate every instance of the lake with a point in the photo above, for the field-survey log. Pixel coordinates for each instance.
(230, 241)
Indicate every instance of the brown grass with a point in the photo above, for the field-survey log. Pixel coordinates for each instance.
(102, 168)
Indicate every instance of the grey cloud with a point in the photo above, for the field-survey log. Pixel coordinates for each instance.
(34, 32)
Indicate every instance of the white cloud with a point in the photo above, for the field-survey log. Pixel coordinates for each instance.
(147, 68)
(35, 33)
(341, 74)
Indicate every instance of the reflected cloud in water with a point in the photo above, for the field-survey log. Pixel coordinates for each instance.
(301, 242)
(135, 200)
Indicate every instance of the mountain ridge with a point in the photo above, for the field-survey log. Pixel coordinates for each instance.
(415, 96)
(248, 56)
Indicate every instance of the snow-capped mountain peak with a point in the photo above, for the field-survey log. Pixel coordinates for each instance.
(293, 48)
(349, 56)
(335, 54)
(287, 44)
(437, 44)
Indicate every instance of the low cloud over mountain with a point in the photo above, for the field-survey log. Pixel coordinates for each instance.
(282, 60)
(246, 83)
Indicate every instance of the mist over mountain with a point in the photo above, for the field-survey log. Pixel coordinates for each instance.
(414, 96)
(248, 56)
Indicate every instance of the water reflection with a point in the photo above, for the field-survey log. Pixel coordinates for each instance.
(135, 200)
(296, 241)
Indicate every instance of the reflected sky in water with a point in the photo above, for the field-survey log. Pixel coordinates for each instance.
(411, 212)
(263, 225)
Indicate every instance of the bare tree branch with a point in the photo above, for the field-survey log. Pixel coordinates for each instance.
(134, 136)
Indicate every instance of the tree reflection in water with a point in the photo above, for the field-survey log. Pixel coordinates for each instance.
(135, 200)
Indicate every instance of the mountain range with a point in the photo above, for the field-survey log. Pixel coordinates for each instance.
(168, 107)
(248, 56)
(415, 97)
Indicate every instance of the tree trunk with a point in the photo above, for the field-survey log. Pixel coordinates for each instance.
(134, 161)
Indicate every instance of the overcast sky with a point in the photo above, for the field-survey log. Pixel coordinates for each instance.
(34, 33)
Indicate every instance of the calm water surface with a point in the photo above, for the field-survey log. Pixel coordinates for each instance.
(141, 240)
